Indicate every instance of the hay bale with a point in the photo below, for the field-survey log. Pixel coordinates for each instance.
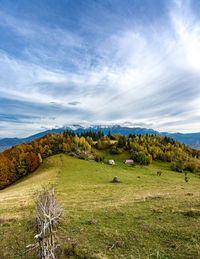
(115, 180)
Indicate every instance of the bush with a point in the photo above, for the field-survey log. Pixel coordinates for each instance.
(192, 167)
(83, 156)
(159, 173)
(178, 166)
(134, 155)
(141, 158)
(173, 166)
(99, 158)
(116, 150)
(149, 159)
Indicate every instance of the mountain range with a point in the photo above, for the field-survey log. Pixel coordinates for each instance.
(192, 139)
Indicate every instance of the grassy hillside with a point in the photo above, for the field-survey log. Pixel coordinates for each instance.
(150, 216)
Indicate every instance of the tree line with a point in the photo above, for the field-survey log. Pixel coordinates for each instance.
(25, 158)
(146, 148)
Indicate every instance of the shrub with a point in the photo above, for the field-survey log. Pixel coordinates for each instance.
(159, 173)
(192, 167)
(134, 155)
(116, 150)
(99, 158)
(149, 159)
(141, 158)
(173, 166)
(48, 219)
(83, 155)
(178, 166)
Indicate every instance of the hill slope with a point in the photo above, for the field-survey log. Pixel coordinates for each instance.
(149, 215)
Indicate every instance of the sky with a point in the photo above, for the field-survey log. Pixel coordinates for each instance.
(99, 62)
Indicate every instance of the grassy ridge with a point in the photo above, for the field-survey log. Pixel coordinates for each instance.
(150, 215)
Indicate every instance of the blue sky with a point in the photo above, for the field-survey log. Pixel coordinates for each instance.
(99, 61)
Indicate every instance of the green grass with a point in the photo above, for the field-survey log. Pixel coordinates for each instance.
(155, 217)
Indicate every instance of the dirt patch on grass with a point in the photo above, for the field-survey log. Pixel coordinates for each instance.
(157, 197)
(5, 220)
(194, 213)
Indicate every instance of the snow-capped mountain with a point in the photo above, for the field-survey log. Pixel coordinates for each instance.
(125, 128)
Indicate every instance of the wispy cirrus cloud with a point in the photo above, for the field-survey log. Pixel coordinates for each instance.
(105, 63)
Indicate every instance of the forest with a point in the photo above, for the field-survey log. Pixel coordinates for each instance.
(23, 159)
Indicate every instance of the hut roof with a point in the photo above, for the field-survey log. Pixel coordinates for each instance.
(129, 161)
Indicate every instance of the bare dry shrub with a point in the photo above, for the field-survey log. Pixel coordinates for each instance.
(48, 218)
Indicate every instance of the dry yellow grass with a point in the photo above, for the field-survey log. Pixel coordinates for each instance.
(23, 190)
(138, 210)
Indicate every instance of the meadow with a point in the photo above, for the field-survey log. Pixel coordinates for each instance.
(145, 216)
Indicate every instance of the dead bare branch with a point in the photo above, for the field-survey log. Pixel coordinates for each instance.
(48, 216)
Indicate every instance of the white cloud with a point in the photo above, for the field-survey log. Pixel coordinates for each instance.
(140, 73)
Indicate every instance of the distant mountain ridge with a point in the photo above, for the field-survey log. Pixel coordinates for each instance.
(192, 139)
